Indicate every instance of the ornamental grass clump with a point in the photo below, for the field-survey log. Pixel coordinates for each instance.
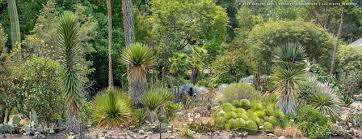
(112, 109)
(154, 100)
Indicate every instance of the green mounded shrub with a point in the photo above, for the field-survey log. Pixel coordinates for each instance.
(313, 123)
(112, 109)
(239, 91)
(268, 126)
(259, 116)
(244, 103)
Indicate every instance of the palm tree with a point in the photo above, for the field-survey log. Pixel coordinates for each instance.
(68, 41)
(14, 26)
(138, 57)
(288, 72)
(110, 74)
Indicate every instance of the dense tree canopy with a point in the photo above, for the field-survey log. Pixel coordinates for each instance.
(316, 42)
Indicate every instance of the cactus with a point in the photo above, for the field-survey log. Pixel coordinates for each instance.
(14, 26)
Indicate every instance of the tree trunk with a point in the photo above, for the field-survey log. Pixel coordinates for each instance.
(128, 26)
(194, 74)
(137, 82)
(110, 74)
(73, 123)
(335, 50)
(14, 26)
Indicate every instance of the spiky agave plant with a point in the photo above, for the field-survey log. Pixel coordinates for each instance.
(326, 101)
(138, 57)
(289, 70)
(155, 99)
(112, 109)
(68, 41)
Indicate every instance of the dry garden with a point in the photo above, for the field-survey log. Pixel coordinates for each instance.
(203, 69)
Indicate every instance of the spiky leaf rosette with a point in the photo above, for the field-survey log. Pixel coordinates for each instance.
(139, 57)
(289, 70)
(68, 41)
(112, 109)
(156, 98)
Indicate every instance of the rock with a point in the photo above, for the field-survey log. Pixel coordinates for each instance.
(270, 135)
(221, 87)
(248, 80)
(281, 137)
(142, 132)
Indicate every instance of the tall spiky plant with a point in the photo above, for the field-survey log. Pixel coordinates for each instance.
(14, 26)
(139, 57)
(288, 72)
(68, 41)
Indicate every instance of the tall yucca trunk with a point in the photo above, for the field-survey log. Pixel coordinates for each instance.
(14, 26)
(135, 87)
(110, 74)
(137, 82)
(68, 40)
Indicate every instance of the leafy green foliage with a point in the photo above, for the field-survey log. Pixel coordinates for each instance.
(41, 81)
(173, 27)
(349, 67)
(264, 38)
(231, 66)
(289, 70)
(3, 39)
(239, 91)
(112, 109)
(312, 123)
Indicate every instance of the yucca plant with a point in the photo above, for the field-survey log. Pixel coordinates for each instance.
(289, 70)
(321, 96)
(154, 100)
(112, 109)
(138, 57)
(68, 41)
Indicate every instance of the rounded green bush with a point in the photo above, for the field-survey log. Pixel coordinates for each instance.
(243, 116)
(251, 126)
(239, 122)
(239, 91)
(231, 124)
(244, 103)
(260, 114)
(240, 110)
(257, 106)
(230, 115)
(221, 113)
(227, 107)
(236, 103)
(268, 126)
(272, 120)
